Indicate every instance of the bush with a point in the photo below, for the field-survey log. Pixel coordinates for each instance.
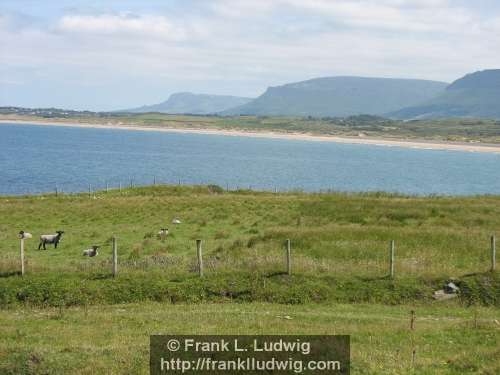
(70, 289)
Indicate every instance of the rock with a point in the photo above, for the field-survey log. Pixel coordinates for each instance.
(441, 295)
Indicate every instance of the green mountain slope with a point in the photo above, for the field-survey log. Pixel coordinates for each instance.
(340, 96)
(475, 95)
(189, 103)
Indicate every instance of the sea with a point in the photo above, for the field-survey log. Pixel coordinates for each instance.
(38, 159)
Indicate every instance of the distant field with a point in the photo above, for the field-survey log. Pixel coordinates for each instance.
(458, 130)
(68, 312)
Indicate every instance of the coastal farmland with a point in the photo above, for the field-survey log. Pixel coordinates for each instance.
(339, 282)
(445, 130)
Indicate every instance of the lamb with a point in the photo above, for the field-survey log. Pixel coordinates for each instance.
(22, 235)
(91, 252)
(163, 233)
(50, 239)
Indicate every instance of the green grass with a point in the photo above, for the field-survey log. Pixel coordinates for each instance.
(339, 245)
(336, 234)
(68, 313)
(458, 130)
(114, 339)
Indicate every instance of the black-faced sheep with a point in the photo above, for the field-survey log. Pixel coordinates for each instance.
(91, 252)
(50, 239)
(22, 235)
(163, 233)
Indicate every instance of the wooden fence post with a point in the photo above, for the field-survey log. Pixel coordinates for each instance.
(288, 257)
(107, 186)
(200, 258)
(391, 258)
(56, 191)
(154, 180)
(412, 320)
(493, 252)
(115, 256)
(90, 191)
(22, 256)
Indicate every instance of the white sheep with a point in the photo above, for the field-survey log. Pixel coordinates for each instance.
(91, 252)
(23, 235)
(51, 239)
(176, 221)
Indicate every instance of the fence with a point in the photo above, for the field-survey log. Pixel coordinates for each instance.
(287, 256)
(120, 184)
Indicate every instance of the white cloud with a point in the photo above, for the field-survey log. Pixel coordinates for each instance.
(123, 24)
(243, 8)
(241, 47)
(402, 15)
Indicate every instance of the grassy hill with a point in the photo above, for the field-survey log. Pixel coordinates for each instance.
(334, 237)
(476, 96)
(340, 96)
(68, 311)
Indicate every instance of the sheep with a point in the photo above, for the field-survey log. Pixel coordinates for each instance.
(163, 233)
(50, 239)
(91, 252)
(23, 235)
(176, 221)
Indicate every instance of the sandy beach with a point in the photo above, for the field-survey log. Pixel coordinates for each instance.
(416, 144)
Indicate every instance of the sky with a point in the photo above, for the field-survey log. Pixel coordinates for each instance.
(108, 55)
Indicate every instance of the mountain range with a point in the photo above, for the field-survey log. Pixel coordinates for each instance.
(340, 97)
(475, 95)
(189, 103)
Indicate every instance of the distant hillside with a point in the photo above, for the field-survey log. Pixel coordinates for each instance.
(340, 97)
(475, 95)
(186, 102)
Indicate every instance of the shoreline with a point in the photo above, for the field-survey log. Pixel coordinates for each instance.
(414, 144)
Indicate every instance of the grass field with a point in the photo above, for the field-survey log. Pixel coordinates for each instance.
(457, 130)
(114, 339)
(337, 234)
(69, 313)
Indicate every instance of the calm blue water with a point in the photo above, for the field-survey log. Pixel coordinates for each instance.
(35, 159)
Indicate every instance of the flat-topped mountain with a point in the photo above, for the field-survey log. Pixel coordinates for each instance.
(475, 95)
(189, 103)
(340, 96)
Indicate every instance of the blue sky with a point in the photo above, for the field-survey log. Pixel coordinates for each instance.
(104, 55)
